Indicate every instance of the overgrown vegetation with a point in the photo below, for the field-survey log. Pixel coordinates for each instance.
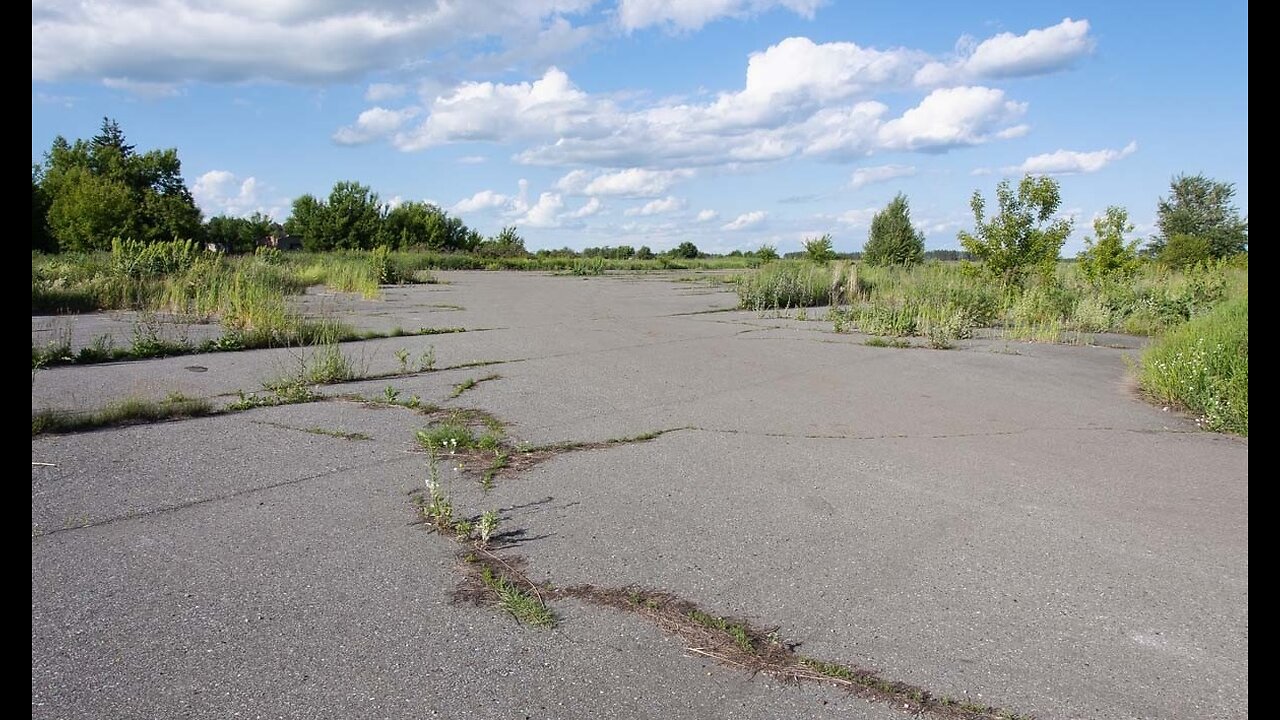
(124, 412)
(1203, 367)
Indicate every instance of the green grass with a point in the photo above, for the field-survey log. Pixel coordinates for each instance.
(944, 302)
(448, 435)
(522, 604)
(887, 342)
(469, 383)
(124, 412)
(737, 631)
(1202, 366)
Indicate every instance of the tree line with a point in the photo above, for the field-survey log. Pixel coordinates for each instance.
(89, 192)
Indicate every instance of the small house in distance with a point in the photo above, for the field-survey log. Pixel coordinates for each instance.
(280, 239)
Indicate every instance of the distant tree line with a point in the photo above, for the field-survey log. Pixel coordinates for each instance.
(89, 192)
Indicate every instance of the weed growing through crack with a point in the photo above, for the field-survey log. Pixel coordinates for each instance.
(449, 436)
(427, 362)
(470, 383)
(402, 355)
(887, 342)
(522, 604)
(124, 412)
(390, 395)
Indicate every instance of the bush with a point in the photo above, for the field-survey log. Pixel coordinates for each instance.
(1203, 366)
(820, 250)
(1182, 251)
(139, 259)
(1106, 256)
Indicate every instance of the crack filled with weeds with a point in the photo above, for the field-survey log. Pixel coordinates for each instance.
(494, 578)
(328, 432)
(470, 383)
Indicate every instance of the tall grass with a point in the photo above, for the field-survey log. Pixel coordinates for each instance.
(1203, 366)
(947, 300)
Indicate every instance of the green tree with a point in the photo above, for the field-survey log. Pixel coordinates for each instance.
(767, 253)
(1024, 234)
(1201, 207)
(421, 224)
(893, 240)
(1183, 250)
(307, 221)
(685, 249)
(820, 250)
(507, 243)
(353, 217)
(40, 238)
(102, 188)
(644, 253)
(88, 211)
(1107, 255)
(236, 233)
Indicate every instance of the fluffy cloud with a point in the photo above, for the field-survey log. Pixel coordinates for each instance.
(693, 14)
(798, 98)
(746, 220)
(482, 201)
(880, 173)
(591, 207)
(707, 216)
(221, 192)
(1038, 51)
(1067, 162)
(949, 117)
(240, 40)
(544, 213)
(783, 111)
(661, 206)
(632, 182)
(373, 124)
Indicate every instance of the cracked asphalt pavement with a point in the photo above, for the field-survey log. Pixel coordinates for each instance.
(1006, 522)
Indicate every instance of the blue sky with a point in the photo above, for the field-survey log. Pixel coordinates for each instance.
(730, 123)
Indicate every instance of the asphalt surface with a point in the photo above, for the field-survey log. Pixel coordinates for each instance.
(1006, 522)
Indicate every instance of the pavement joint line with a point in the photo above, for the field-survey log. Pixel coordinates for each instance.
(226, 496)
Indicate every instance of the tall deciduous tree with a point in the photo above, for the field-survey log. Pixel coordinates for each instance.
(1200, 207)
(893, 240)
(103, 188)
(1023, 235)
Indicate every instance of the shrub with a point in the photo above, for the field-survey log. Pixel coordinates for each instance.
(138, 259)
(1183, 250)
(1203, 366)
(820, 250)
(1106, 256)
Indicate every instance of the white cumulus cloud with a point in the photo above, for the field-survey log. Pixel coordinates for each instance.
(544, 213)
(1038, 51)
(221, 192)
(948, 117)
(481, 201)
(859, 217)
(287, 41)
(591, 207)
(746, 220)
(878, 174)
(373, 124)
(661, 206)
(707, 215)
(693, 14)
(1067, 162)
